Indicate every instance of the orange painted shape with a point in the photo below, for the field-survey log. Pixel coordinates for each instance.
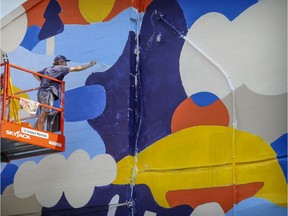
(222, 195)
(120, 5)
(141, 5)
(32, 136)
(71, 13)
(188, 114)
(35, 11)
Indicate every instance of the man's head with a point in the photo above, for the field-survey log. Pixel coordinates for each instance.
(60, 60)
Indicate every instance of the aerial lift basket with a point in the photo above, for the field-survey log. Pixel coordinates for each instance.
(18, 138)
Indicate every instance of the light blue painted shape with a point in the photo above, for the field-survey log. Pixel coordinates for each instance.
(255, 207)
(80, 135)
(106, 40)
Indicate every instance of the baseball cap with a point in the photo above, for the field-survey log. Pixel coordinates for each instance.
(61, 57)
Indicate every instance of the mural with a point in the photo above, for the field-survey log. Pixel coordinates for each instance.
(185, 112)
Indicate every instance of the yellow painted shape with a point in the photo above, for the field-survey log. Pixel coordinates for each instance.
(95, 10)
(125, 168)
(22, 95)
(202, 157)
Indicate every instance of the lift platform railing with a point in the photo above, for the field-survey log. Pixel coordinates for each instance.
(18, 138)
(9, 97)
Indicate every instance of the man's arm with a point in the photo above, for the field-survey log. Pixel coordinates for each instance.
(82, 67)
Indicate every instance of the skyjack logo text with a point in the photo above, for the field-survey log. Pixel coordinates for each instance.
(17, 134)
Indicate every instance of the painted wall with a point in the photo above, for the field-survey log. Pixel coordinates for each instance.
(185, 112)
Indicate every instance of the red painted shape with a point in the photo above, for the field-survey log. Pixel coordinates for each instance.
(188, 114)
(222, 195)
(120, 5)
(35, 11)
(71, 13)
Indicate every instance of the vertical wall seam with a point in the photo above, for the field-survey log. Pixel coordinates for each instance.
(137, 111)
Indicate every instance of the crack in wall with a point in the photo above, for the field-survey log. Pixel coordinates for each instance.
(137, 113)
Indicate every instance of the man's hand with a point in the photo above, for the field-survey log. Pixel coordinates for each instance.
(92, 63)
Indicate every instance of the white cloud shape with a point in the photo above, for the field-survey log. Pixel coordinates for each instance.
(212, 208)
(113, 205)
(76, 177)
(149, 213)
(251, 50)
